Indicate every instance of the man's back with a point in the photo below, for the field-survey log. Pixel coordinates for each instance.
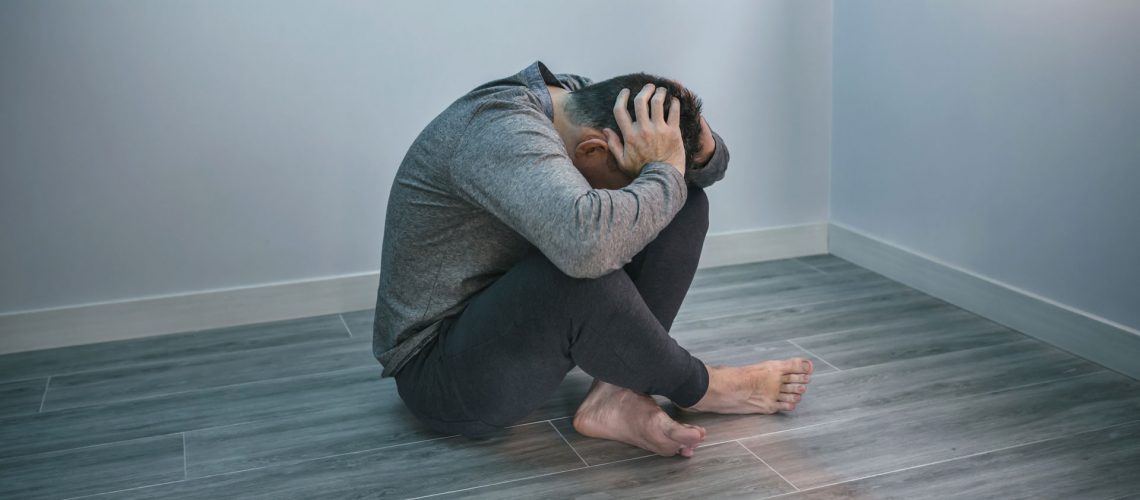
(440, 246)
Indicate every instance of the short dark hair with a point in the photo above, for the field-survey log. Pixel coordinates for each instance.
(593, 106)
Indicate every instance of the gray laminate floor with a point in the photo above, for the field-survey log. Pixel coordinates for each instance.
(913, 398)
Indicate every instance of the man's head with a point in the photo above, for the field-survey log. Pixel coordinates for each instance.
(592, 107)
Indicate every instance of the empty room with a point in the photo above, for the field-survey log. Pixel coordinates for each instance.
(597, 249)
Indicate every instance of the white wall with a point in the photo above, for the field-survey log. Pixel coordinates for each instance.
(1002, 138)
(152, 148)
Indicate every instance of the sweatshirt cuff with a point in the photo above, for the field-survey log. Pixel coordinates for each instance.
(713, 170)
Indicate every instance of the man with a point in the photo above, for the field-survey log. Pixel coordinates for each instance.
(538, 224)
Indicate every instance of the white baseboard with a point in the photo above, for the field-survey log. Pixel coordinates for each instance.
(726, 249)
(1102, 341)
(26, 331)
(61, 327)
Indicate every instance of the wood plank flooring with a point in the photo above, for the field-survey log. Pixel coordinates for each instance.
(912, 398)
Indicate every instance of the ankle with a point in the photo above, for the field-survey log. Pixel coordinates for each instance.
(717, 390)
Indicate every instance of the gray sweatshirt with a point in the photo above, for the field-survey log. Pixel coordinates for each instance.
(486, 180)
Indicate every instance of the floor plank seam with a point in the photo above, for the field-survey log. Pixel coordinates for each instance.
(762, 310)
(42, 454)
(821, 358)
(501, 482)
(773, 433)
(1031, 384)
(127, 364)
(299, 413)
(536, 476)
(185, 464)
(44, 397)
(213, 388)
(821, 271)
(966, 315)
(273, 417)
(963, 457)
(541, 421)
(20, 378)
(124, 490)
(345, 323)
(564, 440)
(298, 462)
(773, 469)
(536, 422)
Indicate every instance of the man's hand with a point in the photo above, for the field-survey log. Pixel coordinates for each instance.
(651, 138)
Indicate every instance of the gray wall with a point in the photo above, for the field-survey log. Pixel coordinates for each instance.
(999, 137)
(152, 148)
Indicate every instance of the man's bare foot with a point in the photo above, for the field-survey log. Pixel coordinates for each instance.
(619, 414)
(766, 387)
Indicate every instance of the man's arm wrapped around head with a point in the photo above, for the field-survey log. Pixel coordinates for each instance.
(512, 163)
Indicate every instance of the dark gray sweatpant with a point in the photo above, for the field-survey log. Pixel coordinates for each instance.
(515, 341)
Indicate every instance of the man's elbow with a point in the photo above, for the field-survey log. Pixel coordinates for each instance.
(586, 260)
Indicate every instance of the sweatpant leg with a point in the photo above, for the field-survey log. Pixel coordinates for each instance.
(664, 270)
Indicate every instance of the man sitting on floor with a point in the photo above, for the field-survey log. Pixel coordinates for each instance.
(536, 225)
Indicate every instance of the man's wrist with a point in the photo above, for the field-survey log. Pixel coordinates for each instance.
(707, 157)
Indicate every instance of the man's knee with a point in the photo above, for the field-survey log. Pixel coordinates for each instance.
(694, 216)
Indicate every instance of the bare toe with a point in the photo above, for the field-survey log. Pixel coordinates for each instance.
(796, 365)
(787, 406)
(699, 428)
(796, 378)
(793, 388)
(805, 365)
(788, 398)
(688, 436)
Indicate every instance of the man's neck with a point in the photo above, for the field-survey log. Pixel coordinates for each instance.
(566, 130)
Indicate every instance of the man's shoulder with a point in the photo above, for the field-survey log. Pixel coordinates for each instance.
(483, 107)
(504, 108)
(500, 98)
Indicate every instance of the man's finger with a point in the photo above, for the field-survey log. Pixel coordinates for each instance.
(621, 111)
(675, 113)
(641, 104)
(658, 109)
(616, 147)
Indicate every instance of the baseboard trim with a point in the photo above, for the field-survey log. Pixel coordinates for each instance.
(62, 327)
(86, 324)
(1099, 340)
(726, 249)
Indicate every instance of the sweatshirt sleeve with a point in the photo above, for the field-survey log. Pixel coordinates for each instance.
(713, 170)
(512, 163)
